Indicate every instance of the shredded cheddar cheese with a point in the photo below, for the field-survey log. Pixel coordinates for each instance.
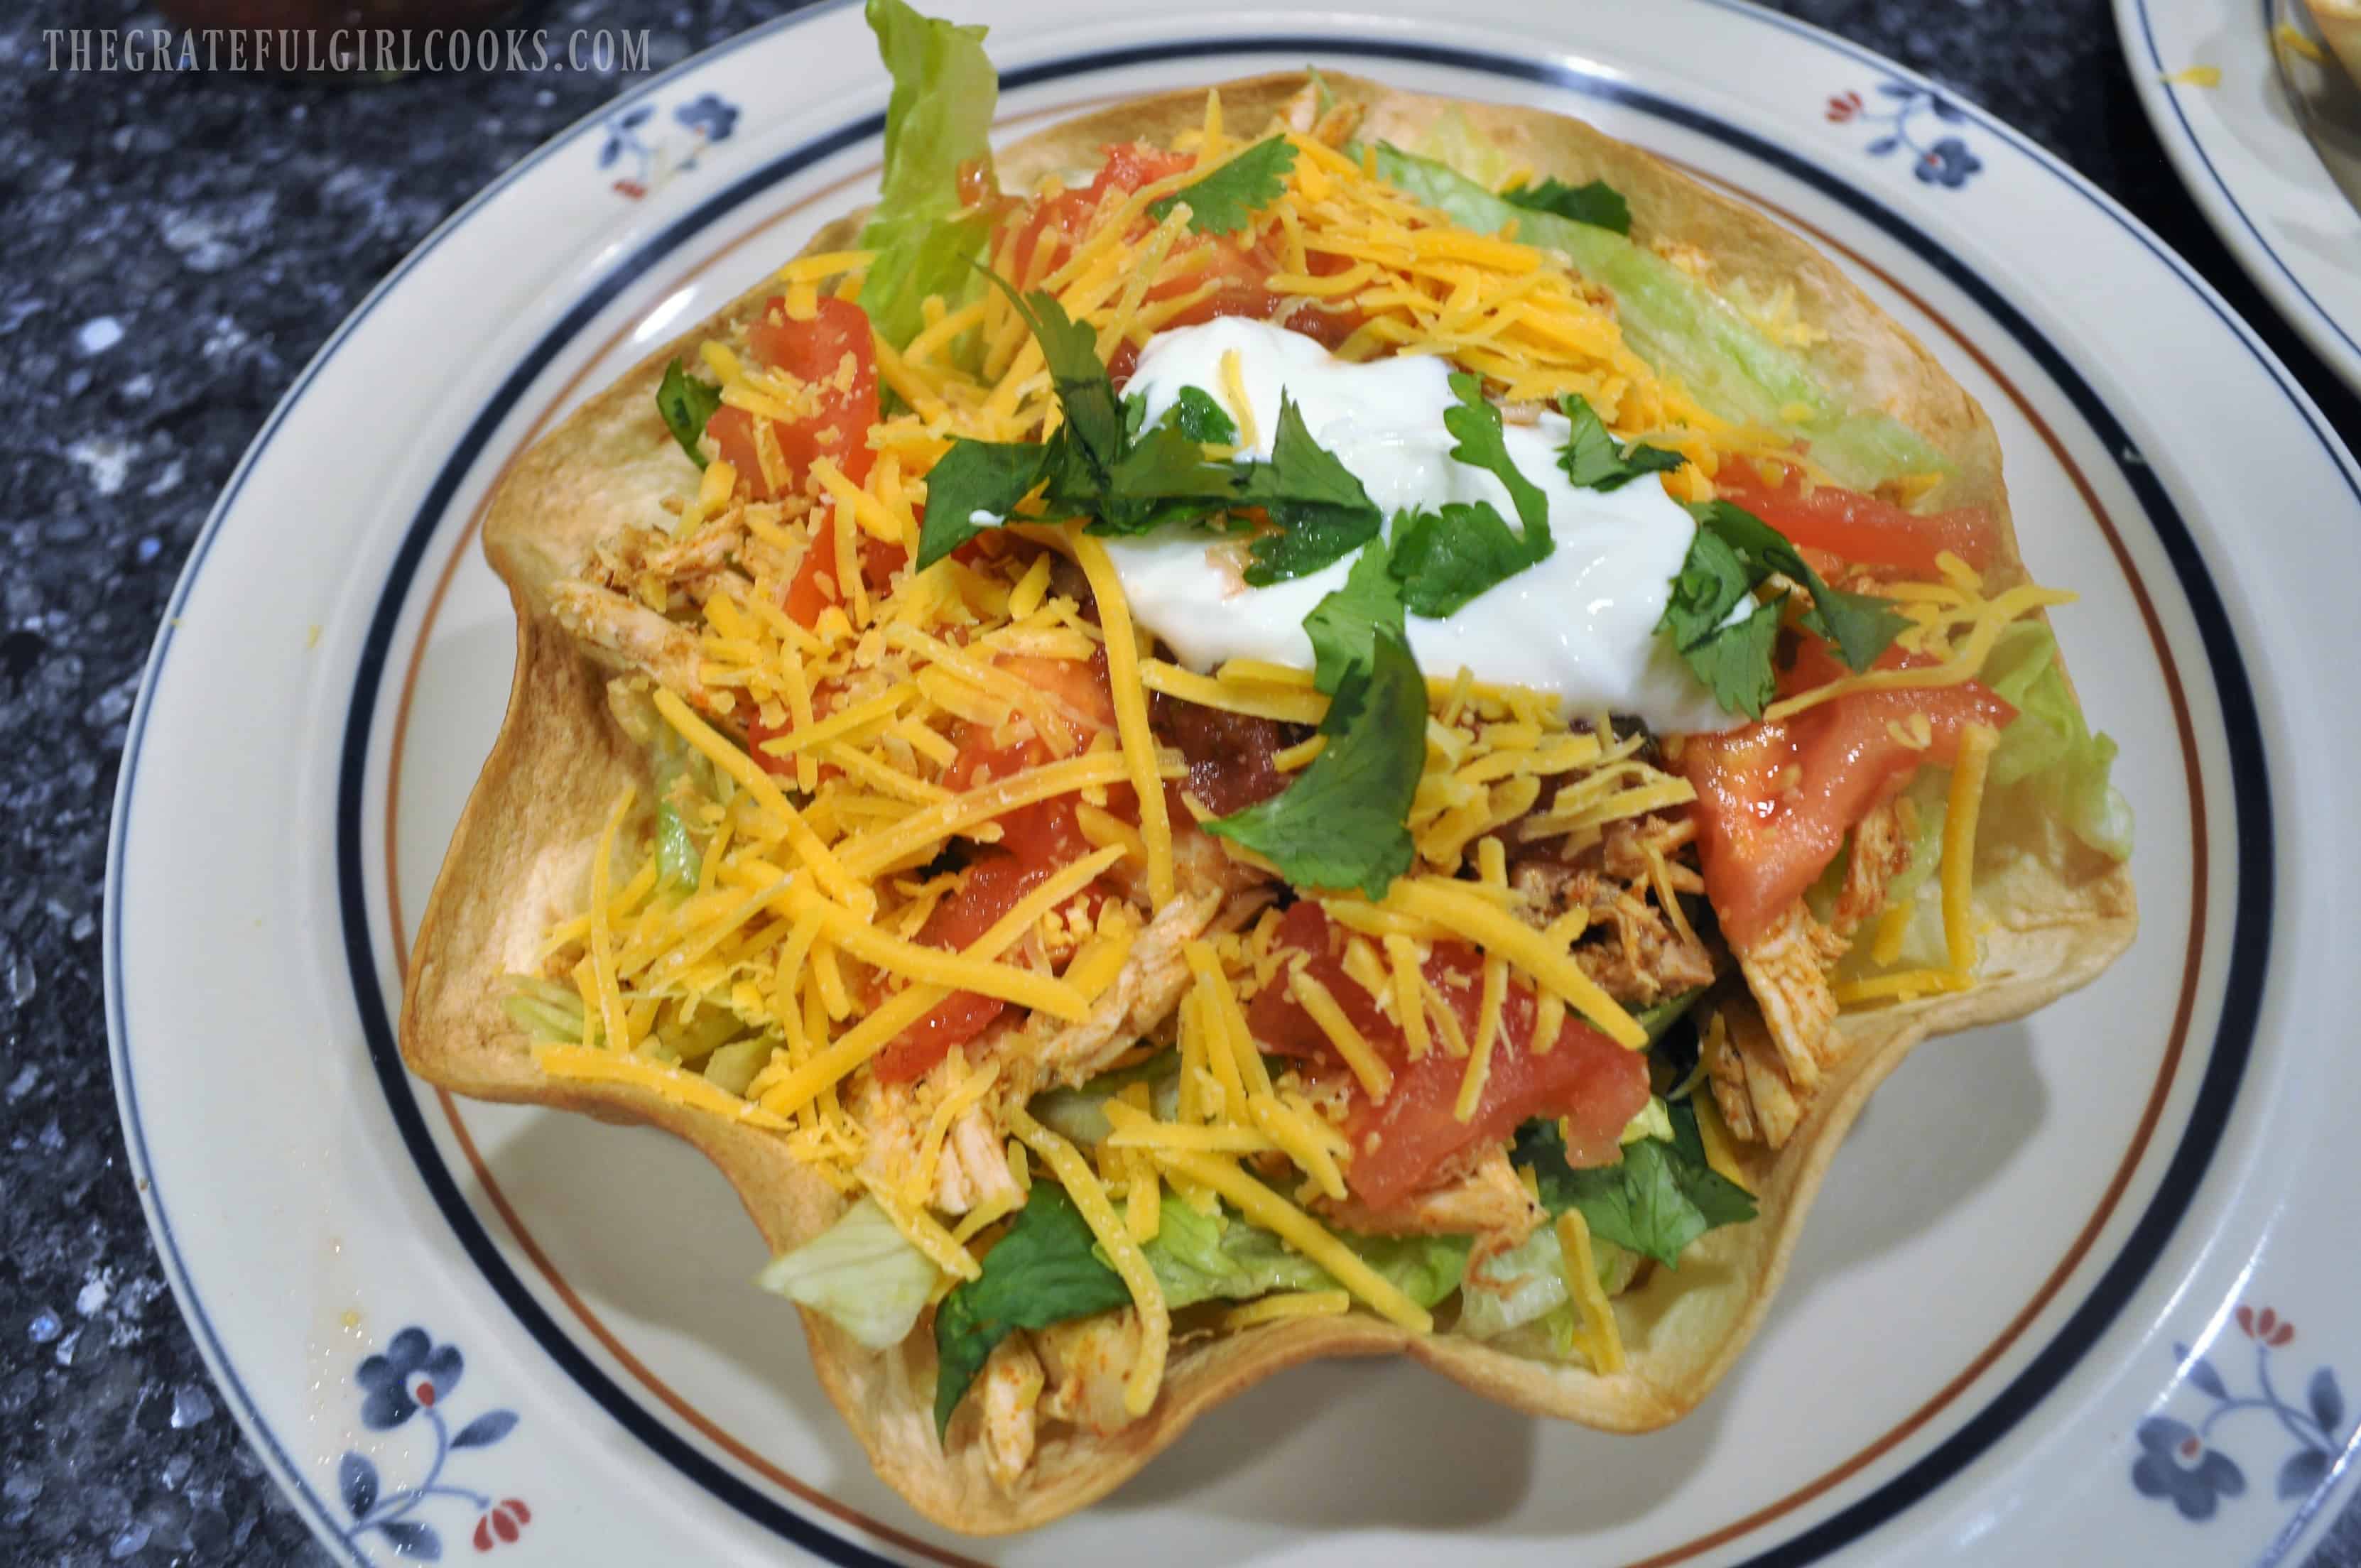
(847, 755)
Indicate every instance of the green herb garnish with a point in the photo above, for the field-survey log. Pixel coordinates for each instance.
(1226, 201)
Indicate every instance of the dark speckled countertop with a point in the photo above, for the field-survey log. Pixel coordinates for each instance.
(172, 249)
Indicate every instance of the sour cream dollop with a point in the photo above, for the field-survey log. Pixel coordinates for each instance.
(1582, 623)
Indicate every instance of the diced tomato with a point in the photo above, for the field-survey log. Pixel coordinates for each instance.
(1402, 1144)
(1858, 528)
(1035, 841)
(814, 586)
(996, 880)
(814, 351)
(1776, 798)
(1238, 266)
(1128, 166)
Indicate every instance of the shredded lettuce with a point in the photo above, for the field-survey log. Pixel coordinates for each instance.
(1527, 1283)
(1929, 795)
(1674, 320)
(2050, 746)
(1081, 1113)
(1654, 1120)
(1203, 1258)
(732, 1067)
(860, 1274)
(544, 1009)
(1461, 148)
(677, 853)
(938, 122)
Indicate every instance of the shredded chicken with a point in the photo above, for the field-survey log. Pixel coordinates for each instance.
(973, 1168)
(1787, 969)
(1881, 849)
(693, 566)
(1751, 1087)
(636, 637)
(1146, 991)
(1009, 1393)
(1488, 1202)
(1085, 1361)
(1631, 950)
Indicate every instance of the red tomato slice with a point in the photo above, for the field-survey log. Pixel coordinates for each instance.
(1399, 1143)
(1776, 798)
(817, 351)
(1858, 528)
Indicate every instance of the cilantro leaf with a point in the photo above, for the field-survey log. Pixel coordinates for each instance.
(987, 477)
(1200, 417)
(1734, 553)
(1735, 661)
(1733, 658)
(1594, 460)
(1085, 392)
(1097, 465)
(1322, 510)
(1041, 1272)
(1163, 477)
(1861, 625)
(1224, 201)
(1482, 444)
(1445, 557)
(1597, 204)
(1345, 625)
(685, 404)
(1341, 822)
(1660, 1197)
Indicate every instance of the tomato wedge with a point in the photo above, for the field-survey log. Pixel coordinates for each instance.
(834, 351)
(1775, 799)
(1401, 1143)
(1858, 528)
(1035, 841)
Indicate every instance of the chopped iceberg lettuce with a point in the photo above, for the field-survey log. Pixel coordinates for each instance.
(1678, 325)
(938, 122)
(860, 1273)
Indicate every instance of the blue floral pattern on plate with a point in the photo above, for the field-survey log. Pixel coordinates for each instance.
(2177, 1462)
(643, 154)
(1895, 111)
(413, 1376)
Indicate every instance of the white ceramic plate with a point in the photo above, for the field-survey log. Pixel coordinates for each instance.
(2243, 155)
(1975, 1357)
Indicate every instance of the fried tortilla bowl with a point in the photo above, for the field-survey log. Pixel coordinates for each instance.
(521, 858)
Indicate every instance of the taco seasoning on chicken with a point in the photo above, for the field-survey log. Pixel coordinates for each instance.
(1293, 719)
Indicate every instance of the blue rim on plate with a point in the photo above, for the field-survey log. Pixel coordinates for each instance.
(2250, 938)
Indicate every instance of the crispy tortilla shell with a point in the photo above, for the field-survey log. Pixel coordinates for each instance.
(520, 860)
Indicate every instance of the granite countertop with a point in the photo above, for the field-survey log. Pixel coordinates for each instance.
(175, 247)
